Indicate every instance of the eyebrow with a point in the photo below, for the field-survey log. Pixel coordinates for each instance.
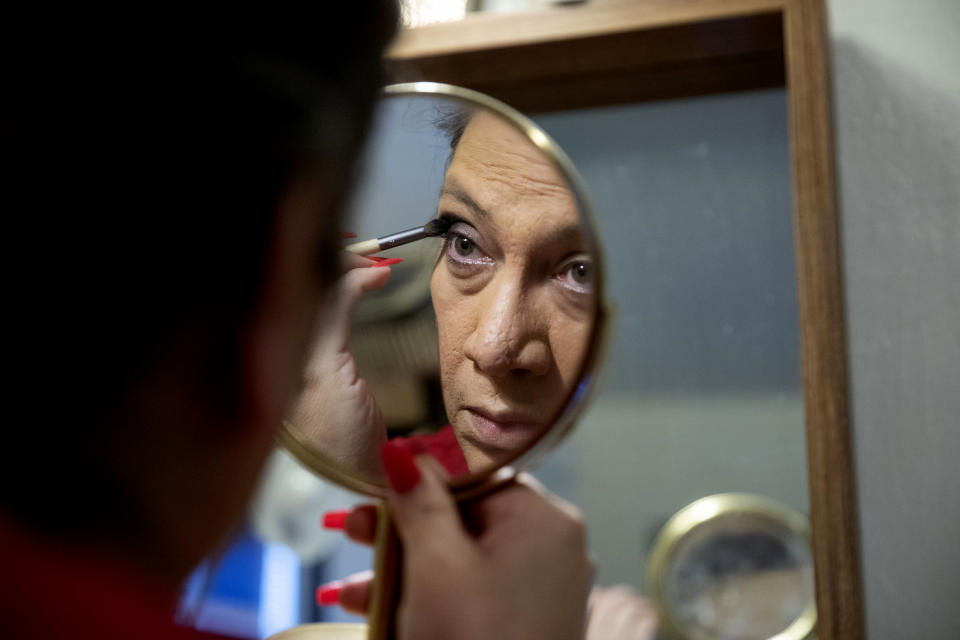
(571, 234)
(453, 189)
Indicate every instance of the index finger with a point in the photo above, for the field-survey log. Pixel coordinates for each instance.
(353, 261)
(361, 524)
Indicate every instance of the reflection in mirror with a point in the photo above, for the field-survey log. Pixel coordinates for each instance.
(471, 346)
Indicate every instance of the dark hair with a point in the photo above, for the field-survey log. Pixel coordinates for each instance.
(145, 171)
(452, 122)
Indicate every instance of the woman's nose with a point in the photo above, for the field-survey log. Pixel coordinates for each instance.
(509, 336)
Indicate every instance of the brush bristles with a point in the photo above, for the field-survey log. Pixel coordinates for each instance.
(436, 227)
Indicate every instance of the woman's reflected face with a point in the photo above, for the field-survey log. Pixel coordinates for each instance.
(512, 291)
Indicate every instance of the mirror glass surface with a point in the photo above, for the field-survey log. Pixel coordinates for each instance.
(734, 566)
(742, 577)
(701, 389)
(472, 347)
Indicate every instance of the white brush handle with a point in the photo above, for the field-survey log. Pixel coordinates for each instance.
(364, 248)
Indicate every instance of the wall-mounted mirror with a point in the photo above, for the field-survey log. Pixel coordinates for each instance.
(703, 132)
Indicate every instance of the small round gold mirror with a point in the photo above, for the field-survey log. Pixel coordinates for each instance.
(479, 347)
(734, 566)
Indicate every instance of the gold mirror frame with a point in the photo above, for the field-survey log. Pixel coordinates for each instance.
(623, 51)
(702, 511)
(479, 483)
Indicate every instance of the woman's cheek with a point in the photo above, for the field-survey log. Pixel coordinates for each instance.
(455, 320)
(568, 341)
(453, 312)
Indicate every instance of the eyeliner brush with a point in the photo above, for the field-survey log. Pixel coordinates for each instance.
(436, 227)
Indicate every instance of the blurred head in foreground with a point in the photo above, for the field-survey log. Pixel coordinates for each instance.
(173, 208)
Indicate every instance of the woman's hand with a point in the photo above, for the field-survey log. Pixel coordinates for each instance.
(521, 570)
(335, 409)
(620, 613)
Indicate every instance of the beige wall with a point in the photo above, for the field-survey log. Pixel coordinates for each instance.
(897, 115)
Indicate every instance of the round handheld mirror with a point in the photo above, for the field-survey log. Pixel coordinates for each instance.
(734, 566)
(479, 346)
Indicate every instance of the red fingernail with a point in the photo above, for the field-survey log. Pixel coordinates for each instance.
(398, 463)
(328, 594)
(387, 263)
(348, 234)
(335, 519)
(374, 258)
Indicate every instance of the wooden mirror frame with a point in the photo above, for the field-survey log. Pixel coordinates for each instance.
(618, 51)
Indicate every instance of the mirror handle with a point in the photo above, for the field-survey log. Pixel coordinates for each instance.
(387, 570)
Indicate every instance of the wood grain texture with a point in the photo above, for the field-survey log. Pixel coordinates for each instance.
(835, 538)
(620, 66)
(639, 84)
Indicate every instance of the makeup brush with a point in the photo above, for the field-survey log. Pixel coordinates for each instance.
(436, 227)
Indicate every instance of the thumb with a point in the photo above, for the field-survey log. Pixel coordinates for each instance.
(422, 507)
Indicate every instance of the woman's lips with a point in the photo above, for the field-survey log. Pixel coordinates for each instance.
(501, 430)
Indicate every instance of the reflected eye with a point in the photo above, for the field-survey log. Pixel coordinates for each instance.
(580, 272)
(577, 275)
(463, 245)
(462, 249)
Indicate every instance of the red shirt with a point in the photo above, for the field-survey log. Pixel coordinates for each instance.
(50, 590)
